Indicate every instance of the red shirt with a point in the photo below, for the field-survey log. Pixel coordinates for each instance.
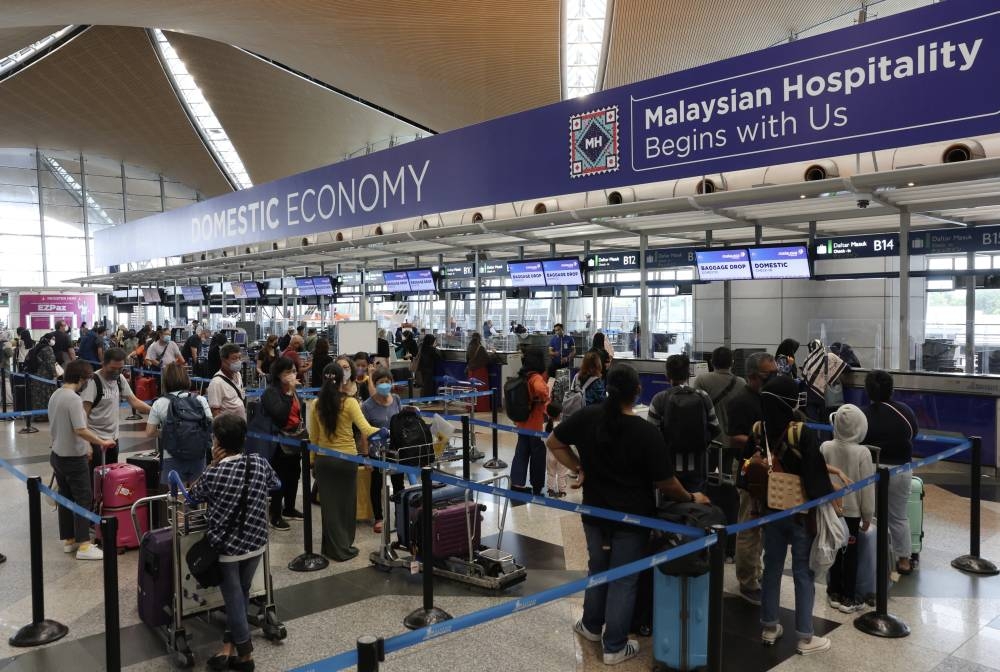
(538, 391)
(294, 415)
(296, 360)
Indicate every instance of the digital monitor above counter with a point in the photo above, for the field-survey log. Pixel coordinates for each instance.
(305, 286)
(421, 280)
(193, 293)
(562, 272)
(725, 264)
(323, 285)
(780, 263)
(396, 282)
(526, 273)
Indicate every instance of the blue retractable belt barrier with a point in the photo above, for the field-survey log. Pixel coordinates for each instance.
(53, 495)
(349, 658)
(42, 380)
(22, 414)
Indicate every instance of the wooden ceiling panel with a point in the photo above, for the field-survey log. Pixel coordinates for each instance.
(279, 123)
(105, 93)
(650, 38)
(440, 63)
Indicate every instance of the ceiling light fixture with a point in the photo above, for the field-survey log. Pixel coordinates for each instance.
(583, 34)
(209, 126)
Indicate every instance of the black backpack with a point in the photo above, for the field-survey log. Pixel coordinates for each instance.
(517, 398)
(186, 433)
(411, 438)
(698, 516)
(30, 363)
(684, 421)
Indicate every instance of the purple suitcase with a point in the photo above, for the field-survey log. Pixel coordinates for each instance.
(156, 569)
(450, 529)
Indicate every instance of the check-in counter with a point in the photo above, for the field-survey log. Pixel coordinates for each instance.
(944, 402)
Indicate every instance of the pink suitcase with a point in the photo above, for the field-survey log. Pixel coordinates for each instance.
(117, 485)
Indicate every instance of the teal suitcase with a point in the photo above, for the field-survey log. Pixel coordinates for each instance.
(915, 512)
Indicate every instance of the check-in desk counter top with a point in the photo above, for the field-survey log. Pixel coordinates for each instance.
(944, 402)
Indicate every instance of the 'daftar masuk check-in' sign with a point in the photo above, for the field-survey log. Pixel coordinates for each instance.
(921, 76)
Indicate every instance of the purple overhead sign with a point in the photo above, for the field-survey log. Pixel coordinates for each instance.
(919, 76)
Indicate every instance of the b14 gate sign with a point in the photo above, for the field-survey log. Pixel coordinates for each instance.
(776, 263)
(723, 265)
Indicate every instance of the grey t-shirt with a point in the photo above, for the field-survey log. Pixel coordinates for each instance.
(715, 384)
(378, 415)
(66, 415)
(103, 418)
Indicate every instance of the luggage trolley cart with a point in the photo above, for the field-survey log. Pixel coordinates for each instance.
(187, 525)
(491, 568)
(453, 387)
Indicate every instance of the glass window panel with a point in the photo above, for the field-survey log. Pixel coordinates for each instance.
(139, 173)
(17, 158)
(65, 253)
(961, 263)
(143, 203)
(142, 187)
(18, 176)
(56, 216)
(20, 257)
(19, 218)
(939, 263)
(107, 185)
(12, 194)
(106, 201)
(59, 197)
(982, 262)
(134, 215)
(101, 167)
(172, 203)
(60, 278)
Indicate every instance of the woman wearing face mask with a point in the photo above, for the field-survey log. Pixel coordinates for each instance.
(175, 383)
(266, 357)
(350, 387)
(378, 411)
(281, 412)
(366, 386)
(333, 416)
(800, 456)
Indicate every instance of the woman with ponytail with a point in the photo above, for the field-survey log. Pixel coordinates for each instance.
(332, 418)
(622, 459)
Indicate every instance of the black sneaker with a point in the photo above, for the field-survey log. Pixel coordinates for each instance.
(293, 514)
(280, 524)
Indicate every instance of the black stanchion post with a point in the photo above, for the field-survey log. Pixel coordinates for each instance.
(41, 630)
(27, 429)
(972, 563)
(409, 386)
(428, 614)
(371, 652)
(134, 415)
(495, 463)
(717, 564)
(3, 389)
(880, 622)
(307, 561)
(466, 455)
(112, 632)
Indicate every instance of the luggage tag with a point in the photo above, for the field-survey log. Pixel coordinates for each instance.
(414, 566)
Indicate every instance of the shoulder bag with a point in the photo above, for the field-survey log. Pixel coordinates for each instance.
(784, 490)
(203, 558)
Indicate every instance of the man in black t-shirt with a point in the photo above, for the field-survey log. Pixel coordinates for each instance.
(742, 412)
(62, 345)
(622, 459)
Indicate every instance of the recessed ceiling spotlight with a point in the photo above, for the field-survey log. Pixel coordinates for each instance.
(802, 195)
(911, 184)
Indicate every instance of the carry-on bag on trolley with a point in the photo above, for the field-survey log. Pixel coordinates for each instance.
(156, 566)
(451, 526)
(117, 487)
(408, 505)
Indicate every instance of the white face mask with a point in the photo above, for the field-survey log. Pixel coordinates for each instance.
(235, 367)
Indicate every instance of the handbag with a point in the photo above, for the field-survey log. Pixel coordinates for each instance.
(784, 490)
(202, 557)
(298, 433)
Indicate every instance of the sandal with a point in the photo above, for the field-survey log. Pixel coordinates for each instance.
(904, 571)
(377, 527)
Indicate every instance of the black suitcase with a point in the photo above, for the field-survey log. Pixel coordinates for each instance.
(720, 488)
(150, 464)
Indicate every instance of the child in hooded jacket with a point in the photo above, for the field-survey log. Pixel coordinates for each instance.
(846, 452)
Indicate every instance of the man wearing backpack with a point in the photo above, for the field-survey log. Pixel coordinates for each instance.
(687, 421)
(225, 391)
(184, 423)
(525, 399)
(101, 400)
(721, 384)
(91, 345)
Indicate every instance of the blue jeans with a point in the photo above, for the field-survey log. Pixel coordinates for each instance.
(777, 537)
(236, 580)
(610, 605)
(530, 449)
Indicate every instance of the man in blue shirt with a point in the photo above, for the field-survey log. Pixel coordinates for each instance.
(91, 345)
(562, 350)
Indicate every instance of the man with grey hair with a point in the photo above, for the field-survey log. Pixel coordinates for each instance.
(742, 412)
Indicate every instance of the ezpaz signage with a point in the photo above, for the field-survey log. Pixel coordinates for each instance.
(862, 88)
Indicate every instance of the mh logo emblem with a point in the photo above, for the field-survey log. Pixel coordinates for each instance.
(593, 142)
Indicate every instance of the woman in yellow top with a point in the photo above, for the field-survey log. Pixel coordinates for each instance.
(331, 422)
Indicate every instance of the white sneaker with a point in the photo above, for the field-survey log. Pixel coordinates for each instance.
(92, 553)
(69, 548)
(769, 636)
(630, 650)
(580, 629)
(813, 645)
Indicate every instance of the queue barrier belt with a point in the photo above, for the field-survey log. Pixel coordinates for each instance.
(53, 495)
(350, 658)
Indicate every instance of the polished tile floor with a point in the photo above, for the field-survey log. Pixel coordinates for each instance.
(955, 619)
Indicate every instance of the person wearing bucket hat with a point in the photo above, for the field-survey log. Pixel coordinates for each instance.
(796, 448)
